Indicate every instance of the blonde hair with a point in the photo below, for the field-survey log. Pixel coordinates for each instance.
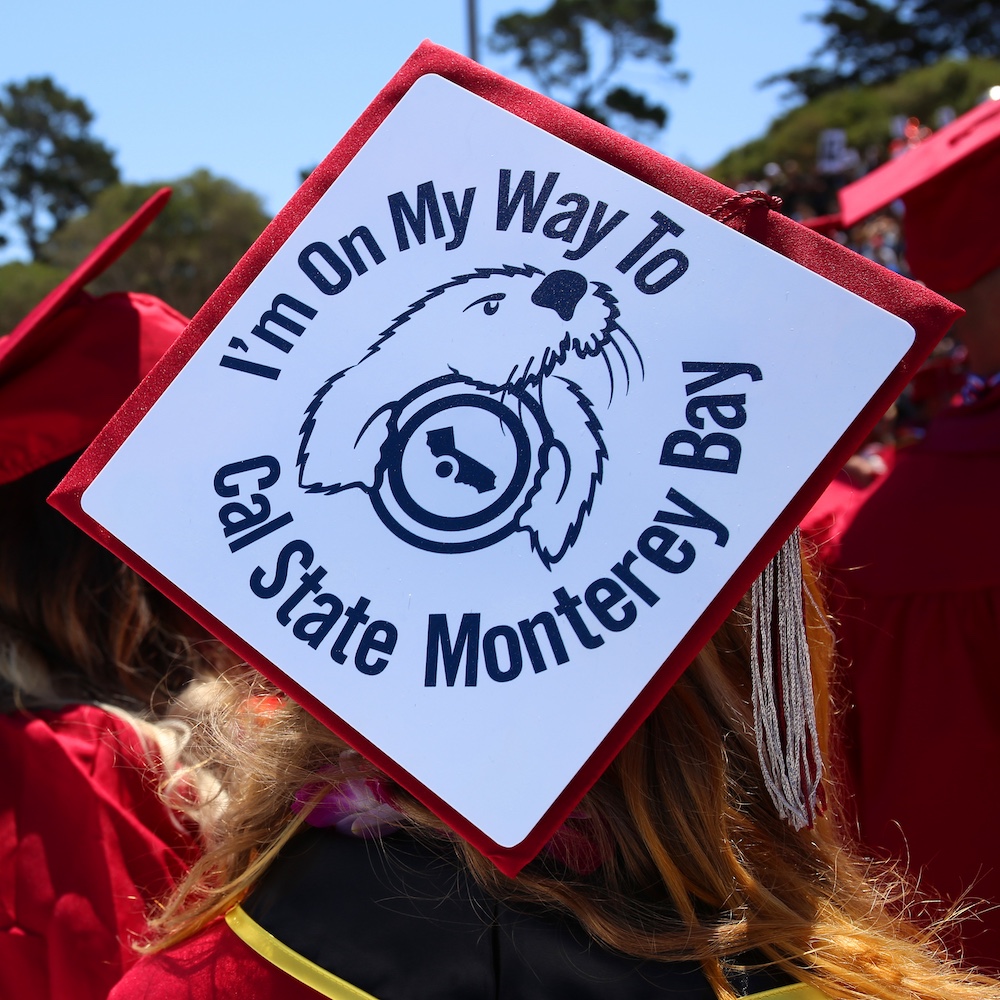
(696, 862)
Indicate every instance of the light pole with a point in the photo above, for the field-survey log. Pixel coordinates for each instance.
(473, 30)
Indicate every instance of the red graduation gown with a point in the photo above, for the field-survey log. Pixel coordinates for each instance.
(914, 569)
(85, 846)
(214, 965)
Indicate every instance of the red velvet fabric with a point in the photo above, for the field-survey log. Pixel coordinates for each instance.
(53, 404)
(214, 965)
(914, 567)
(951, 223)
(85, 846)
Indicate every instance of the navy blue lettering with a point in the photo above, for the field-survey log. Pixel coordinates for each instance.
(466, 644)
(285, 556)
(264, 462)
(323, 621)
(696, 517)
(250, 367)
(402, 213)
(309, 584)
(353, 617)
(379, 637)
(652, 287)
(595, 231)
(602, 596)
(491, 659)
(528, 626)
(664, 225)
(275, 318)
(721, 372)
(459, 217)
(362, 233)
(237, 517)
(698, 458)
(655, 543)
(310, 268)
(533, 208)
(623, 570)
(257, 533)
(567, 608)
(713, 405)
(569, 221)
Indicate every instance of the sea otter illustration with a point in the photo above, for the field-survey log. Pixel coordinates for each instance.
(456, 422)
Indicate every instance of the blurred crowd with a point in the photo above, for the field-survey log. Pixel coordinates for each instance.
(809, 194)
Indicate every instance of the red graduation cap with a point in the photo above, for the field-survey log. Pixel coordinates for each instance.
(825, 224)
(949, 186)
(251, 359)
(73, 360)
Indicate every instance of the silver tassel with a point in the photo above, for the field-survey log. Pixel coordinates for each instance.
(784, 710)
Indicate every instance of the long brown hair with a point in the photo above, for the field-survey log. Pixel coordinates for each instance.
(696, 862)
(76, 624)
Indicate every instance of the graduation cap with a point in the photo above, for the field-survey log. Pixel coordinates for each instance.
(825, 224)
(949, 185)
(490, 431)
(73, 360)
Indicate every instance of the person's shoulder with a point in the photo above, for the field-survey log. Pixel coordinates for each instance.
(87, 845)
(826, 523)
(214, 964)
(967, 429)
(94, 763)
(930, 527)
(93, 738)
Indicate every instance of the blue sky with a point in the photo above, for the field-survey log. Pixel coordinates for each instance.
(256, 90)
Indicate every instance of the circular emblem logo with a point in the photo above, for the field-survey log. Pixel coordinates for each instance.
(460, 466)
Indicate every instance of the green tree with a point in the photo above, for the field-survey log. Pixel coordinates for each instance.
(868, 43)
(205, 228)
(865, 114)
(51, 166)
(22, 286)
(577, 51)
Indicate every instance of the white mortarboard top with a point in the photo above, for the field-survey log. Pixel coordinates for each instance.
(489, 431)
